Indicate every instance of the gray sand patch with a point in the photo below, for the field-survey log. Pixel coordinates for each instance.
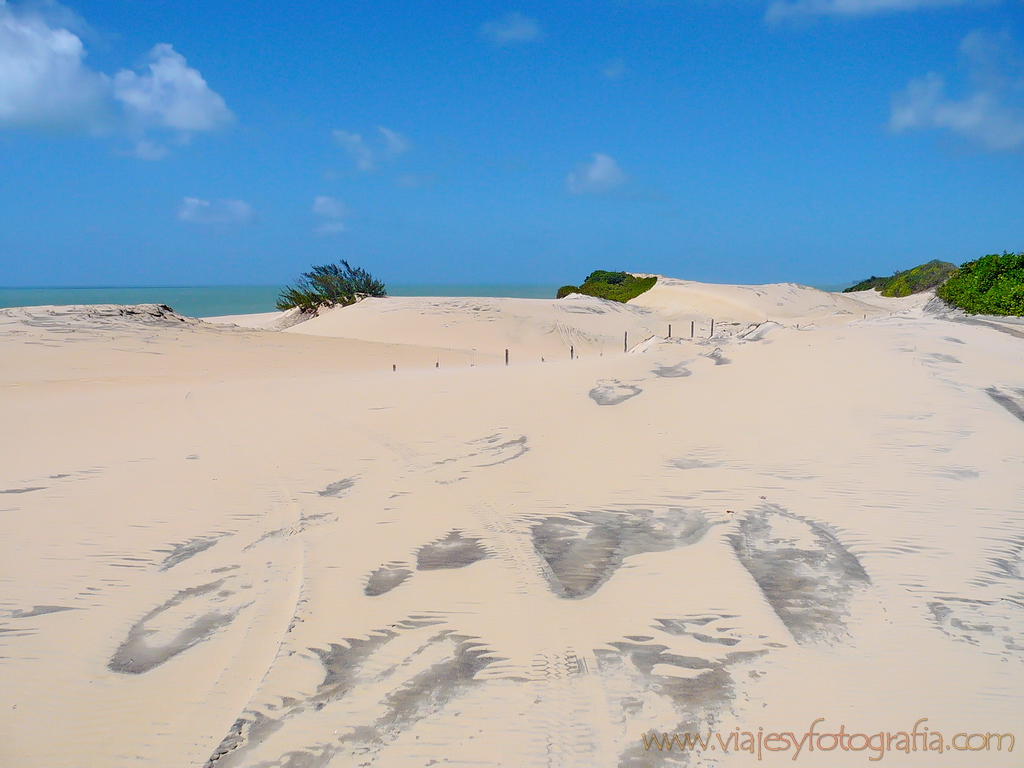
(677, 371)
(758, 332)
(805, 573)
(954, 339)
(432, 689)
(181, 552)
(1011, 399)
(957, 473)
(453, 551)
(992, 626)
(613, 392)
(718, 357)
(584, 550)
(135, 655)
(698, 696)
(497, 450)
(336, 489)
(411, 699)
(386, 578)
(694, 464)
(24, 490)
(941, 358)
(40, 610)
(489, 451)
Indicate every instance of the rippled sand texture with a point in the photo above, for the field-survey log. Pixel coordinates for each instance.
(364, 540)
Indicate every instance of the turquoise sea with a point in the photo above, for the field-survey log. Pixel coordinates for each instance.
(214, 300)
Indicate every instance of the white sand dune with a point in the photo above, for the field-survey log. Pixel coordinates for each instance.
(228, 546)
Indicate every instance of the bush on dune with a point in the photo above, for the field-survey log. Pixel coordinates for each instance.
(908, 282)
(991, 285)
(614, 286)
(330, 285)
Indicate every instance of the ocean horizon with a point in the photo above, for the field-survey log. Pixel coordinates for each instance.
(217, 300)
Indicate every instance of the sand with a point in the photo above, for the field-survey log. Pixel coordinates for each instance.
(364, 540)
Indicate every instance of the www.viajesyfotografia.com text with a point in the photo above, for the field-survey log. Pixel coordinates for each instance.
(918, 739)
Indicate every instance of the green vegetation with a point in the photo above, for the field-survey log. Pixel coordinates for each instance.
(991, 285)
(614, 286)
(920, 278)
(330, 285)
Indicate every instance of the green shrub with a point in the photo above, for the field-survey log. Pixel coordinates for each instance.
(330, 285)
(908, 282)
(614, 286)
(991, 285)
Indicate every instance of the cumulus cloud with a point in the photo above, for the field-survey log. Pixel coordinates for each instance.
(171, 95)
(45, 83)
(366, 154)
(196, 211)
(331, 210)
(991, 113)
(511, 29)
(601, 174)
(781, 9)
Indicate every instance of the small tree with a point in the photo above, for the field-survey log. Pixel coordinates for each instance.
(330, 285)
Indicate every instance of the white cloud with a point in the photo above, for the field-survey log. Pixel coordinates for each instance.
(601, 174)
(511, 29)
(332, 211)
(781, 10)
(171, 95)
(357, 148)
(331, 207)
(44, 81)
(365, 155)
(196, 211)
(394, 142)
(992, 115)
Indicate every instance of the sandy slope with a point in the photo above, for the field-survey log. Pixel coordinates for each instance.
(239, 547)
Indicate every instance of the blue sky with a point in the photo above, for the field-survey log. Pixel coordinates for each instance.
(815, 141)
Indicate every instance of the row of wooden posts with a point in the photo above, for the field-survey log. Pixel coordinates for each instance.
(625, 343)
